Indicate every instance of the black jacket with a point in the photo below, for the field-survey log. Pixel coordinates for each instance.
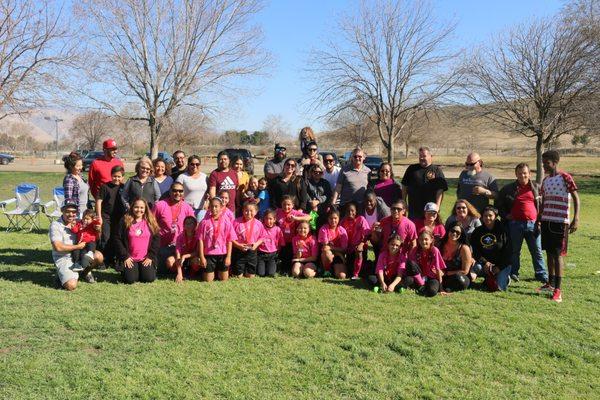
(133, 189)
(491, 245)
(122, 244)
(315, 191)
(506, 198)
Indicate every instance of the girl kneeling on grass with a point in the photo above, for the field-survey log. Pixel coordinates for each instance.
(334, 243)
(186, 250)
(273, 241)
(305, 251)
(288, 219)
(215, 235)
(427, 260)
(249, 232)
(391, 267)
(137, 243)
(358, 231)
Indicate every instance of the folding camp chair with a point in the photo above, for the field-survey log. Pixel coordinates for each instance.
(27, 207)
(58, 198)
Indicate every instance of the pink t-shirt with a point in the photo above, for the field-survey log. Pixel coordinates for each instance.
(187, 245)
(309, 246)
(357, 229)
(215, 235)
(248, 232)
(391, 265)
(170, 219)
(438, 230)
(273, 240)
(405, 229)
(338, 236)
(139, 236)
(287, 227)
(225, 213)
(429, 261)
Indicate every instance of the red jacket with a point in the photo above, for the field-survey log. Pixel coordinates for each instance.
(87, 233)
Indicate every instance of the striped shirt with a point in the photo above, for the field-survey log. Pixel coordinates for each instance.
(556, 193)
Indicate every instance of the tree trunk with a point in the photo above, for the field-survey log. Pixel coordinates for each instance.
(406, 150)
(153, 139)
(390, 150)
(539, 149)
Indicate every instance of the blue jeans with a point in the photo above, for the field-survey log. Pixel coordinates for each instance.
(518, 231)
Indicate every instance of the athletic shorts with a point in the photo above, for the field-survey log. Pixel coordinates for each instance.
(555, 237)
(245, 262)
(216, 263)
(63, 270)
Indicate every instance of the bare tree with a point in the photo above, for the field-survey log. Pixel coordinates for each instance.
(184, 128)
(34, 46)
(352, 128)
(163, 54)
(90, 128)
(531, 81)
(386, 66)
(276, 127)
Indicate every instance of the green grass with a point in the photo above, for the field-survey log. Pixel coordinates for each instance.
(286, 338)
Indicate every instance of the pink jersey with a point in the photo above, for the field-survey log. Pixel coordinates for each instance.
(429, 261)
(187, 245)
(273, 240)
(391, 265)
(139, 237)
(170, 219)
(358, 231)
(337, 236)
(248, 232)
(439, 230)
(225, 213)
(287, 227)
(308, 246)
(405, 229)
(215, 235)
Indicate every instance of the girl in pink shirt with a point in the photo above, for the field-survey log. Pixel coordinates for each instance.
(288, 219)
(186, 250)
(215, 236)
(268, 251)
(334, 242)
(358, 231)
(427, 259)
(225, 211)
(305, 251)
(391, 266)
(250, 233)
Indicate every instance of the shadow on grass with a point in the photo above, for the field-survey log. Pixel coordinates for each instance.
(20, 256)
(44, 277)
(356, 284)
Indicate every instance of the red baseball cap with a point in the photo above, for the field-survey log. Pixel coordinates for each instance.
(109, 144)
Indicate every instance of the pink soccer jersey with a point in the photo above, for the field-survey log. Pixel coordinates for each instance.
(429, 261)
(287, 227)
(215, 235)
(272, 240)
(337, 236)
(357, 229)
(248, 232)
(308, 246)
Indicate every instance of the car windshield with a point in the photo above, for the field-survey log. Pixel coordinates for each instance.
(373, 160)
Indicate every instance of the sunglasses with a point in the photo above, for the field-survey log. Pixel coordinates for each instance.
(291, 165)
(195, 164)
(176, 190)
(471, 164)
(397, 209)
(312, 149)
(455, 231)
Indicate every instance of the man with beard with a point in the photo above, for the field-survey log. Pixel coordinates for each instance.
(475, 185)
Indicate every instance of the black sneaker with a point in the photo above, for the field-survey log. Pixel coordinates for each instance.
(89, 278)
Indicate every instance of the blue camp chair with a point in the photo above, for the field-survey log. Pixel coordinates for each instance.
(52, 208)
(27, 208)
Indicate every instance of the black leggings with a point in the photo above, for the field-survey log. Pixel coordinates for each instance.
(139, 273)
(456, 282)
(429, 289)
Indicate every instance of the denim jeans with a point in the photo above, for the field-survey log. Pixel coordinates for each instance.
(518, 231)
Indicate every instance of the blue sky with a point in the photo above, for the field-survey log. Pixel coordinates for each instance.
(292, 28)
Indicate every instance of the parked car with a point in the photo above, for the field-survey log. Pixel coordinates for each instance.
(165, 156)
(246, 156)
(6, 158)
(345, 157)
(89, 158)
(374, 163)
(335, 157)
(82, 153)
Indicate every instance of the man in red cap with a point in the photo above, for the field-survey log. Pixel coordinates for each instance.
(100, 169)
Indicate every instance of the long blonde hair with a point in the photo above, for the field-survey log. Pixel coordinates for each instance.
(129, 218)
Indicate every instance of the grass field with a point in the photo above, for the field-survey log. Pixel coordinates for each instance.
(285, 338)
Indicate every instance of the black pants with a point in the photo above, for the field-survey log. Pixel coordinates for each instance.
(286, 255)
(139, 273)
(107, 245)
(456, 282)
(244, 262)
(267, 264)
(76, 255)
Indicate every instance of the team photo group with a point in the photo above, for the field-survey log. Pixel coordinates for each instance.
(308, 217)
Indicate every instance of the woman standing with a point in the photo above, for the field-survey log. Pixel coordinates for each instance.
(194, 185)
(285, 184)
(386, 187)
(76, 188)
(237, 163)
(137, 243)
(466, 214)
(142, 185)
(162, 175)
(457, 256)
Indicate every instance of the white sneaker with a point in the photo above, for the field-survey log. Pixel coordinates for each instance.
(76, 267)
(89, 254)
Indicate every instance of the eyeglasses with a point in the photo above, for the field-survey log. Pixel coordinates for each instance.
(312, 149)
(145, 169)
(195, 164)
(176, 190)
(455, 231)
(397, 209)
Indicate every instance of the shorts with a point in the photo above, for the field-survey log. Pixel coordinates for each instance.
(555, 237)
(337, 259)
(245, 262)
(63, 270)
(216, 263)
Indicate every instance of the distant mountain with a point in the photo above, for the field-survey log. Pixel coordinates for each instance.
(40, 128)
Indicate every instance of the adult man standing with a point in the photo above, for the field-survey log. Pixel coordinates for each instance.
(180, 167)
(353, 180)
(332, 171)
(557, 189)
(274, 167)
(64, 241)
(519, 205)
(423, 183)
(476, 185)
(100, 169)
(223, 178)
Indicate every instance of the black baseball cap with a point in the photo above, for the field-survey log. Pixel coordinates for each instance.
(280, 147)
(69, 204)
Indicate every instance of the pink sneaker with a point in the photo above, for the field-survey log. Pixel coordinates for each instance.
(557, 296)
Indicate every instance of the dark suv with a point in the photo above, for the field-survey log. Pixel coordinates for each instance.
(89, 159)
(246, 156)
